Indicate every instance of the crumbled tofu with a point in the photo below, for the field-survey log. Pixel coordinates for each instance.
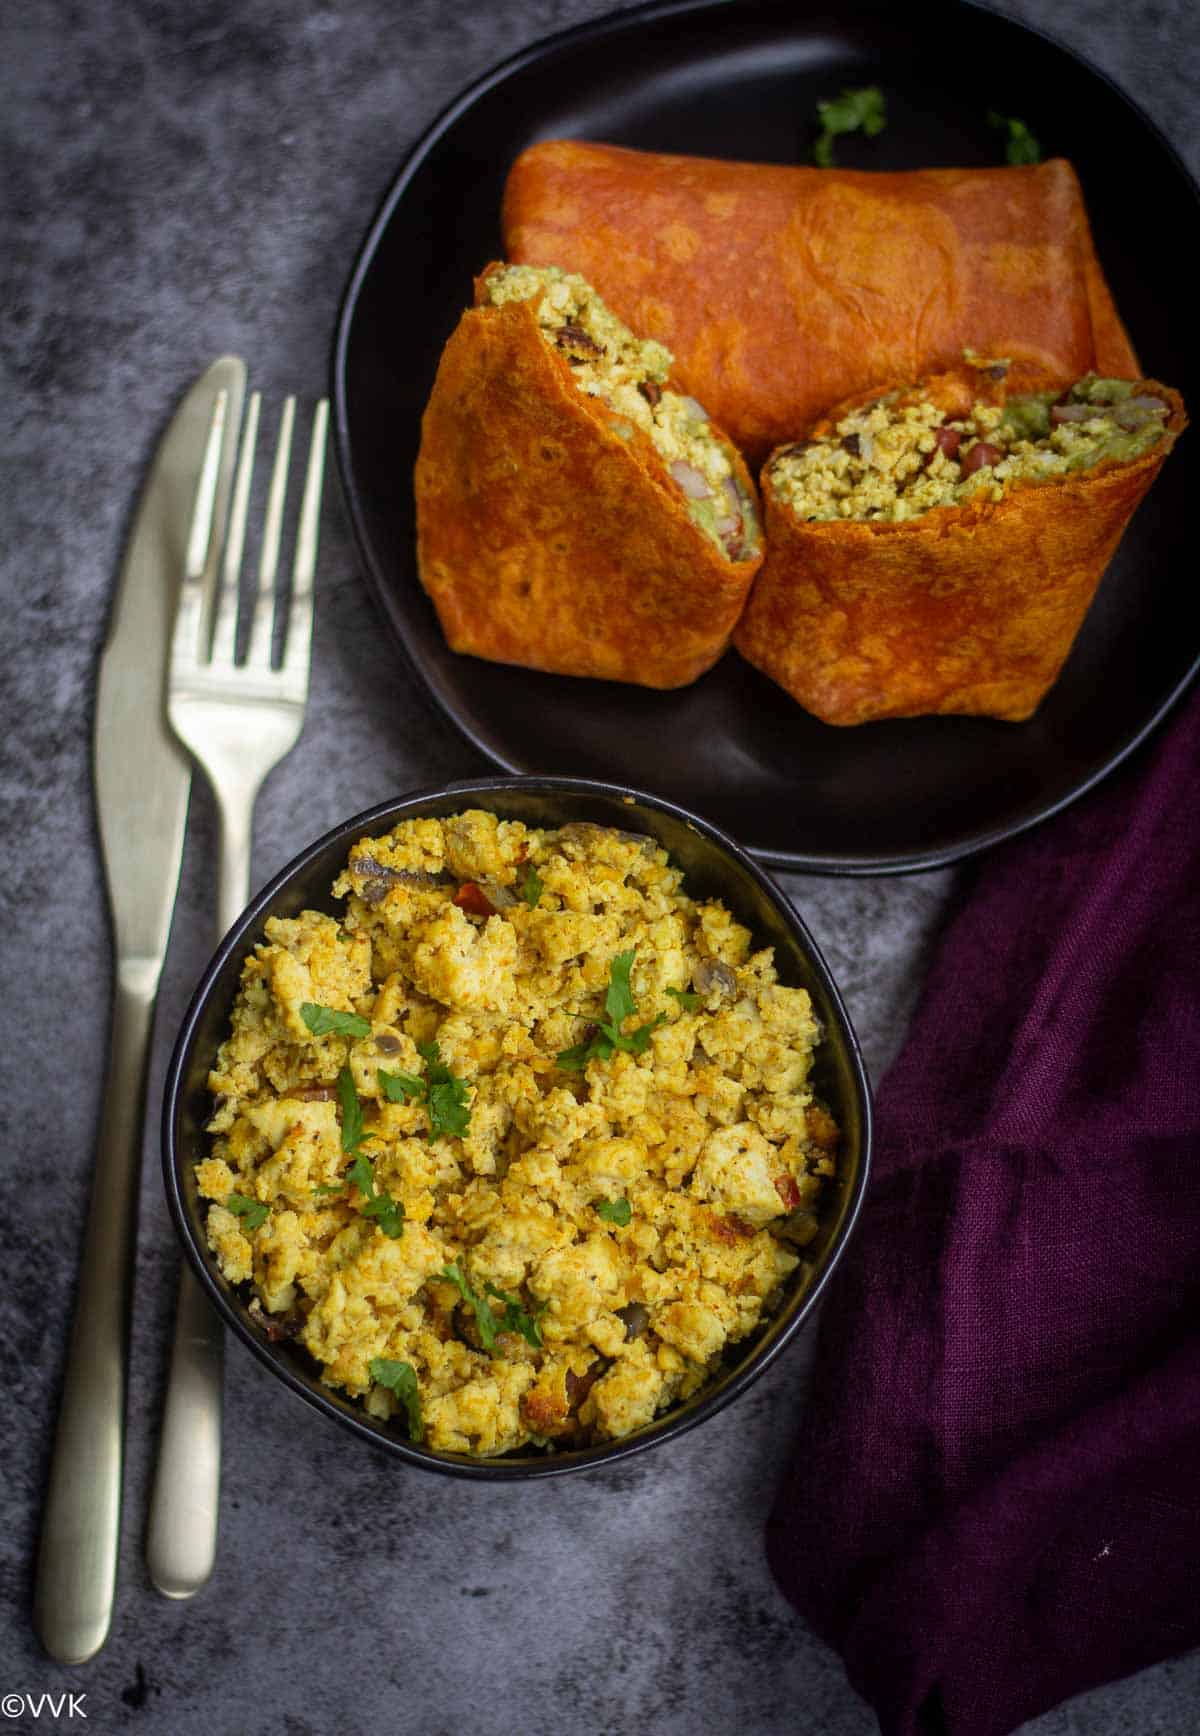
(557, 1249)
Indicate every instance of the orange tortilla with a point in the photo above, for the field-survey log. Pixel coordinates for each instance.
(546, 539)
(967, 609)
(782, 290)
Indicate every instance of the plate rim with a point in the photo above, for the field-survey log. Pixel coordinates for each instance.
(430, 684)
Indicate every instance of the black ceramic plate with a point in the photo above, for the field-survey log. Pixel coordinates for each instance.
(741, 80)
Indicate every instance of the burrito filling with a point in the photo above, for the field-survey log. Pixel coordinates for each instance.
(900, 456)
(628, 374)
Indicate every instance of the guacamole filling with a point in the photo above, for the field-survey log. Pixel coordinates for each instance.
(628, 375)
(901, 456)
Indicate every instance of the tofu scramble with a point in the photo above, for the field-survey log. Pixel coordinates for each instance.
(519, 1144)
(900, 456)
(629, 374)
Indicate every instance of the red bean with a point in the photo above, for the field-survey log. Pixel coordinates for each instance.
(980, 454)
(948, 440)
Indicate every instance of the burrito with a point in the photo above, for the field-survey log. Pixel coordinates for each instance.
(935, 548)
(784, 290)
(574, 513)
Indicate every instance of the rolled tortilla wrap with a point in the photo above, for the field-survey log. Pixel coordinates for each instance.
(935, 549)
(783, 290)
(573, 513)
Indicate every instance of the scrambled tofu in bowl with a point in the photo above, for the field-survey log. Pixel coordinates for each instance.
(521, 1147)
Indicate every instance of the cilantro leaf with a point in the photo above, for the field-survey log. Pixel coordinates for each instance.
(532, 887)
(322, 1020)
(637, 1042)
(252, 1212)
(387, 1212)
(324, 1189)
(486, 1321)
(353, 1131)
(362, 1174)
(687, 1000)
(1021, 147)
(399, 1087)
(619, 1001)
(855, 111)
(448, 1111)
(517, 1318)
(576, 1059)
(445, 1096)
(614, 1211)
(619, 1004)
(401, 1378)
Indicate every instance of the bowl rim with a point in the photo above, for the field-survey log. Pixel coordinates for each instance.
(671, 1425)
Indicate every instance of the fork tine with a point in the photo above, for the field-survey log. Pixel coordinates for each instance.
(298, 644)
(225, 625)
(189, 614)
(259, 650)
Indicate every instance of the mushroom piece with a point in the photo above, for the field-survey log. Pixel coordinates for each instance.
(712, 973)
(635, 1317)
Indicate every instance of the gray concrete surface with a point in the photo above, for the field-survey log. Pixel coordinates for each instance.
(180, 180)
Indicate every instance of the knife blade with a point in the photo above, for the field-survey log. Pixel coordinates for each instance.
(142, 781)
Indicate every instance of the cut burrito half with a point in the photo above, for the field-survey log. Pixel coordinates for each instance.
(574, 513)
(935, 548)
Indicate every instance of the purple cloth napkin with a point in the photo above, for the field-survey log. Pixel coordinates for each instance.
(994, 1502)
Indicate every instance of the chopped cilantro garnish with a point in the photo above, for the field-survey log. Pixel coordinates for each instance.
(362, 1174)
(324, 1189)
(614, 1211)
(531, 888)
(387, 1212)
(322, 1020)
(486, 1321)
(855, 111)
(619, 1001)
(619, 1004)
(574, 1059)
(401, 1378)
(353, 1131)
(687, 1000)
(399, 1087)
(517, 1318)
(253, 1213)
(445, 1096)
(1020, 147)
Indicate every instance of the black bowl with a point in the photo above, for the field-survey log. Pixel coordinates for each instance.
(714, 866)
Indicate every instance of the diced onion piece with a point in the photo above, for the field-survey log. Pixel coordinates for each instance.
(690, 480)
(498, 896)
(696, 411)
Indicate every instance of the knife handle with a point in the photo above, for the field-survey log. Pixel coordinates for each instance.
(77, 1557)
(181, 1542)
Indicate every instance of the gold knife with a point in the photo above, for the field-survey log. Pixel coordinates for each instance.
(142, 779)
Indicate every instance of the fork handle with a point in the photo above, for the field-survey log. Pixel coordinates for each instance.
(77, 1558)
(181, 1540)
(181, 1543)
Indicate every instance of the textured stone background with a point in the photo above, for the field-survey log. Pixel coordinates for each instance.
(181, 180)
